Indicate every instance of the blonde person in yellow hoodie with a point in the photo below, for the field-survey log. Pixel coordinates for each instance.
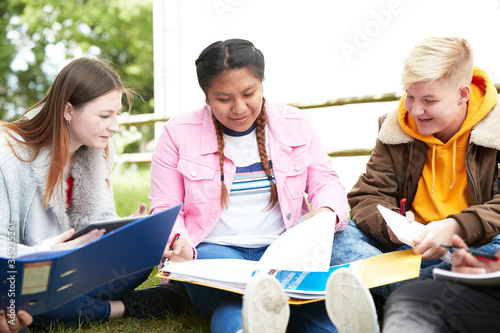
(439, 151)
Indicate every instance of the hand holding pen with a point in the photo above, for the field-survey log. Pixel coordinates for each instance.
(465, 262)
(478, 254)
(171, 246)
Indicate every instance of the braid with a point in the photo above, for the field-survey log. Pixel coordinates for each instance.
(260, 133)
(224, 196)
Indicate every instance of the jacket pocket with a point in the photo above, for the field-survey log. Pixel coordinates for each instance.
(198, 181)
(296, 178)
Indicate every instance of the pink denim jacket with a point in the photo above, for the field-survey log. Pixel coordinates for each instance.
(185, 169)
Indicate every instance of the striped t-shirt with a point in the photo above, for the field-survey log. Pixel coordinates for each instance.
(246, 222)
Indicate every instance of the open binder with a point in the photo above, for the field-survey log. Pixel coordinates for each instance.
(300, 260)
(43, 281)
(301, 286)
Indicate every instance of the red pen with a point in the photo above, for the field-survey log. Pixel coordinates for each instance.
(402, 206)
(171, 247)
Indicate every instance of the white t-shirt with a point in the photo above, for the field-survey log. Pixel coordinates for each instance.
(246, 223)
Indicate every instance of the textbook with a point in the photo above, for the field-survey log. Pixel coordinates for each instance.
(300, 260)
(40, 282)
(480, 280)
(404, 230)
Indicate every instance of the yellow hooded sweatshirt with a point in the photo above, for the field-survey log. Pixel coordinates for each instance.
(442, 188)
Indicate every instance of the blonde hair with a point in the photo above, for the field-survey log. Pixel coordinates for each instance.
(446, 58)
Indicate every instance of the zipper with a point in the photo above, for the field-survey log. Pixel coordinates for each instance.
(469, 174)
(404, 190)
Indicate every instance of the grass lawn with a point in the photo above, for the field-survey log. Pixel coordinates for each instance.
(131, 188)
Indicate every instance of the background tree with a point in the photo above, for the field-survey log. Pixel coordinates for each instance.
(38, 37)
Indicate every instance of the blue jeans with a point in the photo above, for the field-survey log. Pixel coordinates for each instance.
(353, 244)
(224, 308)
(93, 306)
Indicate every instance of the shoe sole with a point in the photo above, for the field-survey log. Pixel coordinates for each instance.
(265, 306)
(349, 303)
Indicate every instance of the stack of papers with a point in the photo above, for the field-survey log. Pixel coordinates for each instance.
(301, 286)
(303, 270)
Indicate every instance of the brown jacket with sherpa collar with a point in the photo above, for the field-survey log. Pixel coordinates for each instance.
(396, 164)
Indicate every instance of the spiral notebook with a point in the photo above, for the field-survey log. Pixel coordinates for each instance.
(404, 230)
(480, 280)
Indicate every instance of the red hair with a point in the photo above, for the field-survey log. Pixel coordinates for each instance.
(79, 82)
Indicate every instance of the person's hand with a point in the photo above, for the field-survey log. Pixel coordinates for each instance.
(435, 233)
(14, 322)
(142, 210)
(182, 251)
(60, 242)
(464, 262)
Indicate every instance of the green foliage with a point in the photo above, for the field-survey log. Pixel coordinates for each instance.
(120, 31)
(130, 188)
(8, 9)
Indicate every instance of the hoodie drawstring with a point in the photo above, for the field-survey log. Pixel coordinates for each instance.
(433, 167)
(454, 163)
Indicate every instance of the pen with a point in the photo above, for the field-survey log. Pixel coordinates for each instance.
(171, 247)
(402, 206)
(480, 255)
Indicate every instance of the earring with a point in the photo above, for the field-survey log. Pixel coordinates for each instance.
(68, 122)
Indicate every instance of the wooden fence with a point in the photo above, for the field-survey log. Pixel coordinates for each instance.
(144, 119)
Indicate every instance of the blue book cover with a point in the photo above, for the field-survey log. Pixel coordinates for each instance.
(307, 283)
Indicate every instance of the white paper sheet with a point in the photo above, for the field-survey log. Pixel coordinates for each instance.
(305, 247)
(404, 230)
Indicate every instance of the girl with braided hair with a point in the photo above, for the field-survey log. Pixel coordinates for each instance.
(241, 166)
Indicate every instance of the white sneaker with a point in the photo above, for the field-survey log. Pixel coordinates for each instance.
(349, 303)
(265, 306)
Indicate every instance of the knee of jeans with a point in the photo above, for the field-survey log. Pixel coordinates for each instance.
(491, 247)
(496, 241)
(353, 229)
